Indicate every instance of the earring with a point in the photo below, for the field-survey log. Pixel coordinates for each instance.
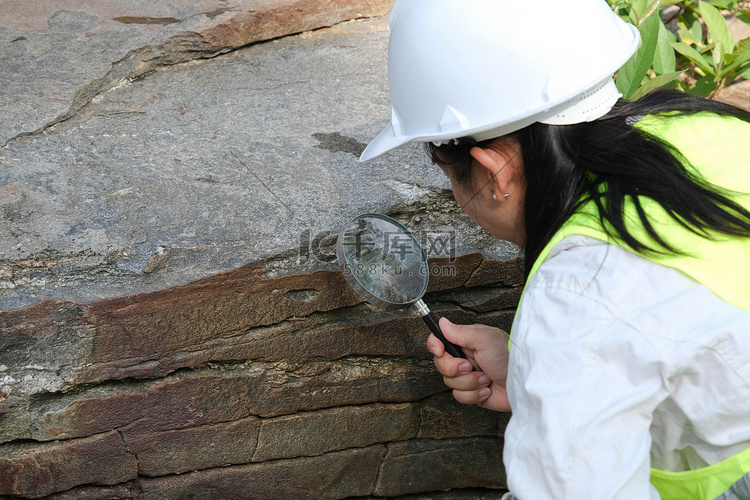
(506, 195)
(494, 196)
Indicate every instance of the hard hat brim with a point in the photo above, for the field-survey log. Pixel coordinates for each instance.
(384, 142)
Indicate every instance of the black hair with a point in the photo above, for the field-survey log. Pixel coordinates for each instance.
(610, 162)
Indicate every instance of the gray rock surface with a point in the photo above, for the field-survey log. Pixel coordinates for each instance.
(58, 54)
(119, 176)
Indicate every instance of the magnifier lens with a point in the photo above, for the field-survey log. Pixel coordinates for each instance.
(384, 263)
(385, 260)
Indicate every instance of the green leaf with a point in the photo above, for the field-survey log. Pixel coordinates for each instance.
(740, 58)
(637, 9)
(620, 8)
(717, 29)
(716, 57)
(651, 9)
(694, 56)
(654, 84)
(703, 87)
(665, 60)
(690, 29)
(724, 4)
(630, 76)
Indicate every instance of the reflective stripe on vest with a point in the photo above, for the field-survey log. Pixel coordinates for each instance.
(726, 480)
(716, 147)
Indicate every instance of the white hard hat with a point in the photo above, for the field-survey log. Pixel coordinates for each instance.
(486, 68)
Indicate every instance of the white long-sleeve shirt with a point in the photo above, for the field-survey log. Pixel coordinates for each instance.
(619, 365)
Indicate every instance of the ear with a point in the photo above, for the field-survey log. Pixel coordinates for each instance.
(498, 166)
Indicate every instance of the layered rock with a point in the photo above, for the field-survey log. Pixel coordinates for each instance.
(172, 319)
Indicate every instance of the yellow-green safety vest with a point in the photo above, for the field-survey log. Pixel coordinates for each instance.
(718, 148)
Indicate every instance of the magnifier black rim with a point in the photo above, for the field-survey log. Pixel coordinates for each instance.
(352, 279)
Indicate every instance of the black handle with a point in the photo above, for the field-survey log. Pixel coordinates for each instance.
(451, 349)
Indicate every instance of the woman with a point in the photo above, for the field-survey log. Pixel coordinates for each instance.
(628, 370)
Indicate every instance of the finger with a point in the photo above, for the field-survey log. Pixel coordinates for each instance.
(435, 346)
(498, 400)
(469, 382)
(449, 366)
(472, 397)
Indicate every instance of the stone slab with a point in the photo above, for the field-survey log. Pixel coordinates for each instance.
(201, 167)
(57, 55)
(348, 473)
(315, 433)
(38, 470)
(220, 393)
(433, 465)
(442, 417)
(57, 347)
(34, 469)
(196, 448)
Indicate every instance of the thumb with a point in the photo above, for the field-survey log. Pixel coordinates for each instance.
(456, 334)
(459, 335)
(466, 336)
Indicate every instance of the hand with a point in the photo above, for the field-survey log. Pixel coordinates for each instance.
(486, 350)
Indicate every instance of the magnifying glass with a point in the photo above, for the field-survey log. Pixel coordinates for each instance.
(384, 264)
